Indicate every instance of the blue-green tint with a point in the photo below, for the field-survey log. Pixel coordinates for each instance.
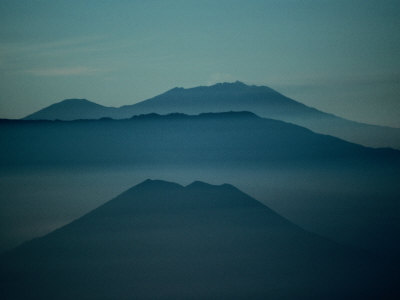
(342, 57)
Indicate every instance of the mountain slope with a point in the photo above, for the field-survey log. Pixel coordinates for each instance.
(335, 188)
(231, 139)
(72, 109)
(267, 103)
(261, 100)
(223, 97)
(165, 241)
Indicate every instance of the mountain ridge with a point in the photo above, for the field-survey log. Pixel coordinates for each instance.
(237, 96)
(161, 239)
(217, 138)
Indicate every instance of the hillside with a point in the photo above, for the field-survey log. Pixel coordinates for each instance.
(233, 138)
(162, 240)
(237, 96)
(329, 186)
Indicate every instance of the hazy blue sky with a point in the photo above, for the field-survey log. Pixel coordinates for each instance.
(339, 56)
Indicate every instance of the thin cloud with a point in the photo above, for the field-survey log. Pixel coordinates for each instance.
(42, 58)
(55, 44)
(64, 71)
(17, 56)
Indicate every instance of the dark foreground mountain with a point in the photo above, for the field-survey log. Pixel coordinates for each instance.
(335, 188)
(160, 240)
(237, 96)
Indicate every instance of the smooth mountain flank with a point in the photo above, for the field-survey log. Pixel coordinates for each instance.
(166, 241)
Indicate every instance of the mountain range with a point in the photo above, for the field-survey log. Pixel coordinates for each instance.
(164, 240)
(223, 97)
(232, 138)
(161, 240)
(332, 187)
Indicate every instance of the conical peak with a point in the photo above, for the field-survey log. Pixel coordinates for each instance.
(156, 183)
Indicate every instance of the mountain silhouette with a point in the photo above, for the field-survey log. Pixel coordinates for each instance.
(335, 188)
(236, 96)
(160, 240)
(231, 138)
(72, 109)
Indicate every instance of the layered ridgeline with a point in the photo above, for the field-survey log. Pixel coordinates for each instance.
(223, 97)
(216, 139)
(332, 187)
(160, 240)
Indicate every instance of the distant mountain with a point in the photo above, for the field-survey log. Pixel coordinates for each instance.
(72, 109)
(160, 240)
(335, 188)
(237, 96)
(217, 139)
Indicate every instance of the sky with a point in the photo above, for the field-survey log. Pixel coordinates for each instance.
(340, 56)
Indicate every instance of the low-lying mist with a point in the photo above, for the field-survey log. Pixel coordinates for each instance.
(359, 208)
